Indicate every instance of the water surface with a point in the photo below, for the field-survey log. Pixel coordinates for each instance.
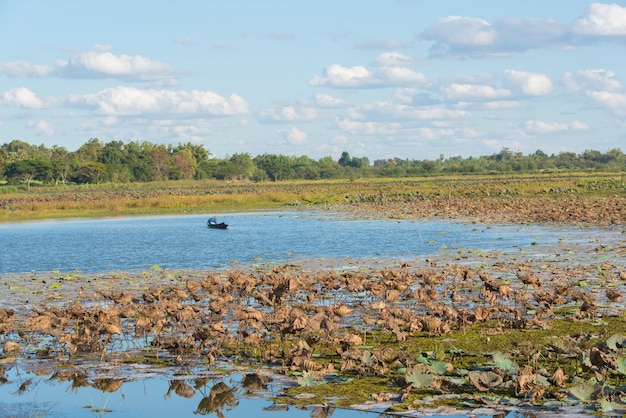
(99, 245)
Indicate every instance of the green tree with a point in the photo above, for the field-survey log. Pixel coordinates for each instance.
(277, 167)
(329, 168)
(345, 159)
(182, 165)
(28, 170)
(242, 166)
(60, 160)
(306, 168)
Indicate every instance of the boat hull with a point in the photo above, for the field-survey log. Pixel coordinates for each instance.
(221, 225)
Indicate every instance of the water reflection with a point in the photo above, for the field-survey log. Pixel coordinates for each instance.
(31, 391)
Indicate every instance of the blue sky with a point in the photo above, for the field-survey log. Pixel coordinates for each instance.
(383, 79)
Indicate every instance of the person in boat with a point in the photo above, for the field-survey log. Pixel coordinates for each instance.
(213, 220)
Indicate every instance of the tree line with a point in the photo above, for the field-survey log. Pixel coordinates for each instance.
(115, 161)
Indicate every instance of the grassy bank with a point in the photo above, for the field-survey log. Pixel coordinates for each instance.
(216, 196)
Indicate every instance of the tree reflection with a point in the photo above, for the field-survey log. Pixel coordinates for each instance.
(221, 398)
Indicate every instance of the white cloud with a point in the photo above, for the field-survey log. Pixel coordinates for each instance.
(43, 127)
(461, 37)
(289, 114)
(326, 100)
(457, 91)
(344, 77)
(126, 101)
(386, 110)
(602, 20)
(495, 105)
(595, 79)
(541, 127)
(530, 84)
(393, 59)
(24, 69)
(293, 135)
(616, 101)
(338, 76)
(400, 76)
(408, 133)
(104, 64)
(22, 97)
(459, 30)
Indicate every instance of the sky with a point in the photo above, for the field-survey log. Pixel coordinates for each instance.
(409, 79)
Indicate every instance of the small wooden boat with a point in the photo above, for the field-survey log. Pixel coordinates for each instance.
(220, 225)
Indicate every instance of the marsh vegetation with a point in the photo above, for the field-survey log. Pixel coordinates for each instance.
(543, 327)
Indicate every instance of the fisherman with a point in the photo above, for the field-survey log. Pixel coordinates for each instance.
(213, 220)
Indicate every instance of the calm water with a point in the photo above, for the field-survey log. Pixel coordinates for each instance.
(185, 241)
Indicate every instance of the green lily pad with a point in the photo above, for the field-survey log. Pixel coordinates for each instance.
(419, 379)
(504, 363)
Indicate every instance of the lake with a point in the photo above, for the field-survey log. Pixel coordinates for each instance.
(29, 387)
(174, 242)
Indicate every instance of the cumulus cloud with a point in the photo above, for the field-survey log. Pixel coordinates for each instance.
(338, 76)
(615, 101)
(542, 127)
(42, 127)
(24, 69)
(380, 110)
(97, 63)
(328, 101)
(293, 135)
(393, 59)
(460, 30)
(127, 101)
(344, 77)
(289, 114)
(530, 84)
(104, 64)
(488, 105)
(602, 20)
(594, 79)
(462, 37)
(22, 97)
(408, 133)
(457, 91)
